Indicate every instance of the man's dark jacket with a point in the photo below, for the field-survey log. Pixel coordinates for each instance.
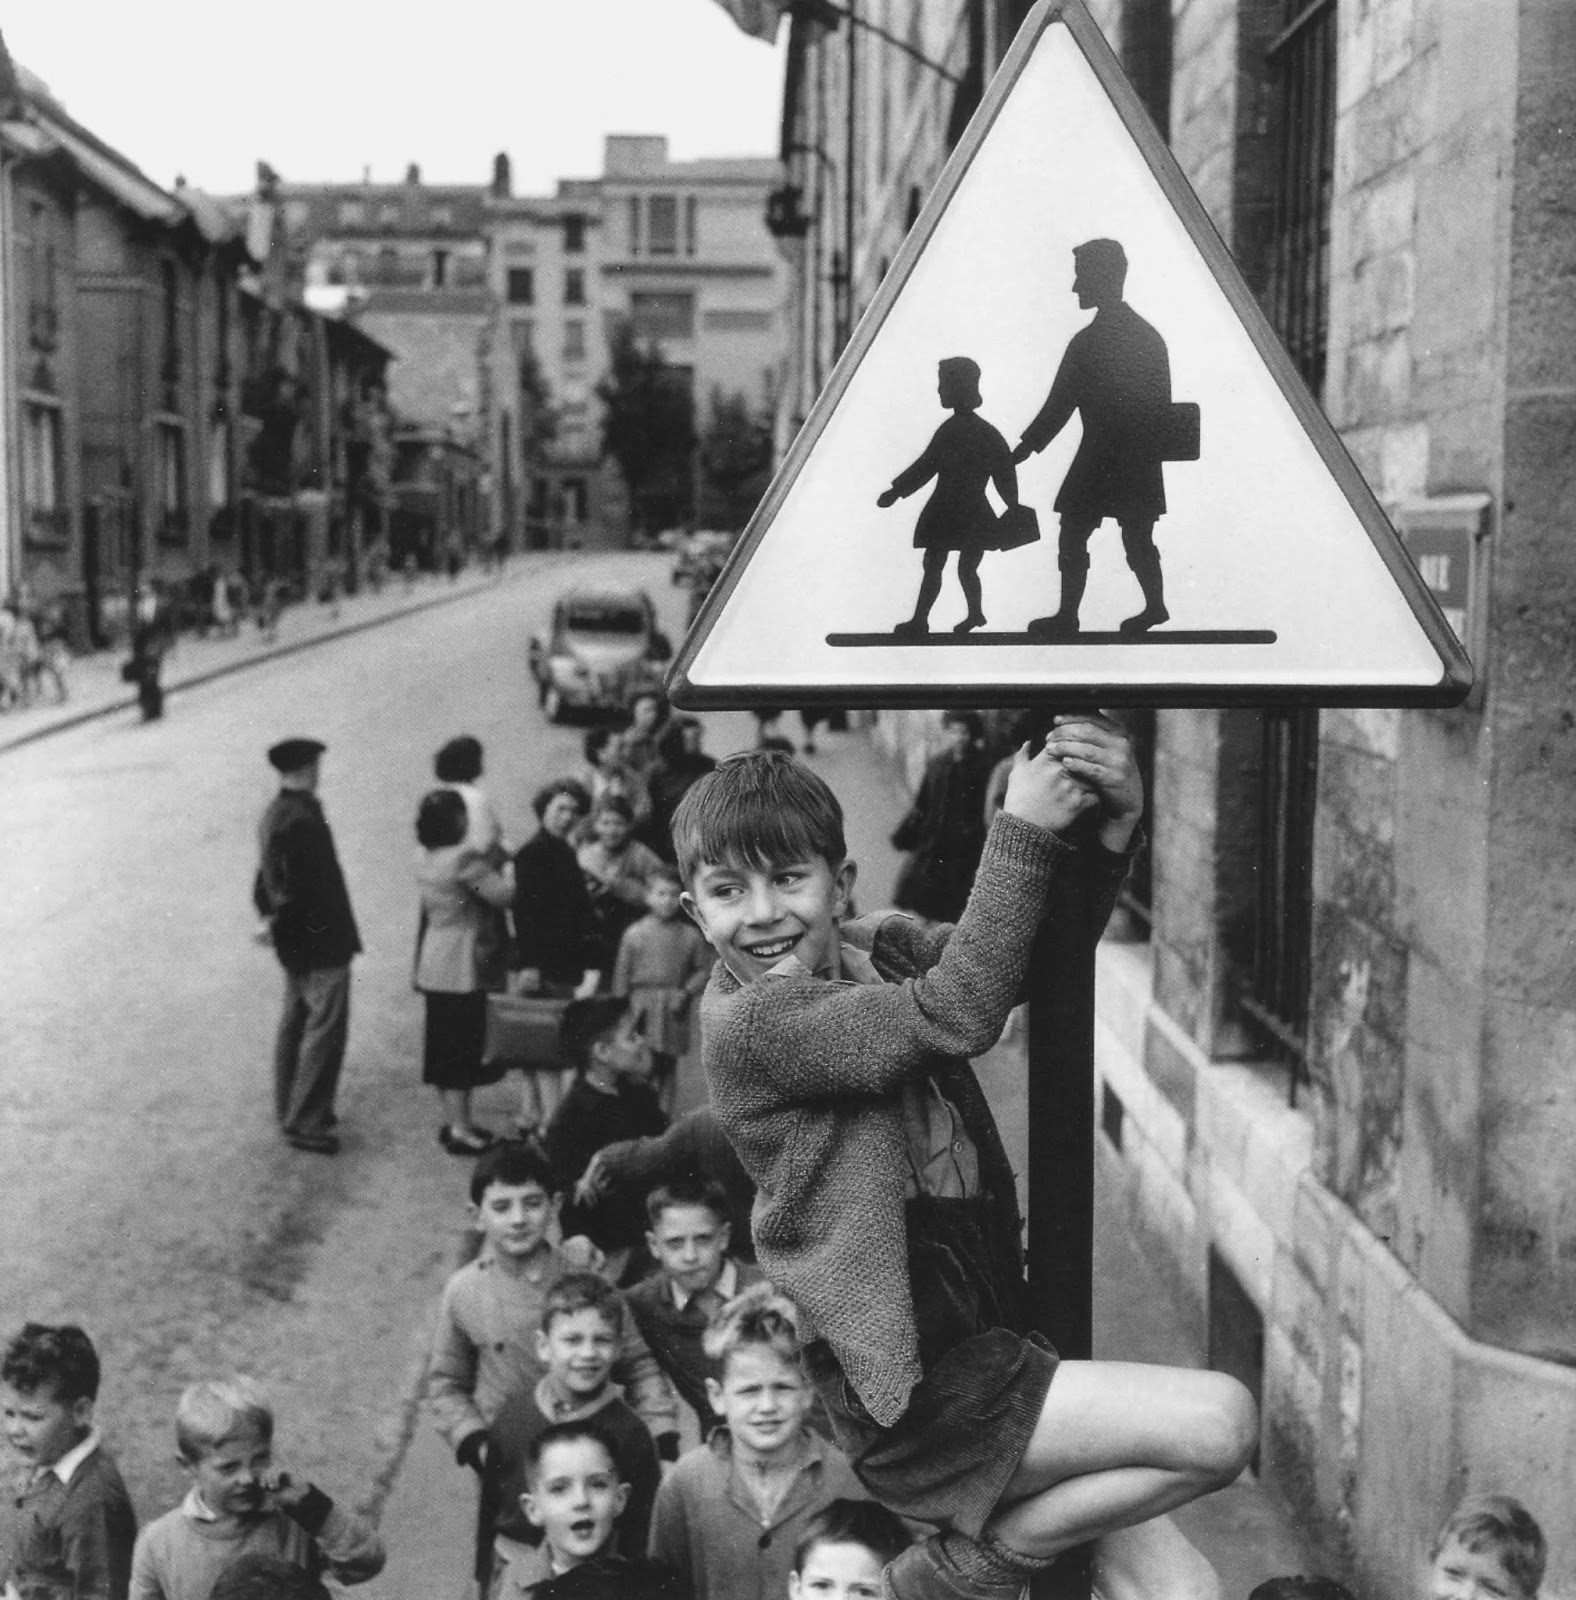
(301, 888)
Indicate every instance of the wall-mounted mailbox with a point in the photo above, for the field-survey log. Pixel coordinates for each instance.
(1446, 537)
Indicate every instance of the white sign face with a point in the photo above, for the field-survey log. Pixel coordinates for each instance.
(1202, 536)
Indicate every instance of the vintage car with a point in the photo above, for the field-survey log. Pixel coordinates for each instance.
(602, 646)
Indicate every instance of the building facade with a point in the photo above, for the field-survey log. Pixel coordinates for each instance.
(171, 411)
(1336, 1072)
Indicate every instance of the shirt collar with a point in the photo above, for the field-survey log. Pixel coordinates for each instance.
(64, 1467)
(196, 1508)
(727, 1285)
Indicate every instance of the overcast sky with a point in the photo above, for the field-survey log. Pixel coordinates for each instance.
(322, 88)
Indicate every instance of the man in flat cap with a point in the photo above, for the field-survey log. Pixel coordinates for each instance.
(301, 890)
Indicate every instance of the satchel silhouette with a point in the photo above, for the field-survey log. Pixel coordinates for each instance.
(1015, 527)
(1179, 431)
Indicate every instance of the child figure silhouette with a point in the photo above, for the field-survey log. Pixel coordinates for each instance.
(965, 454)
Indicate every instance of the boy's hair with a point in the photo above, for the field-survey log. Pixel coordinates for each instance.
(440, 819)
(758, 1316)
(512, 1162)
(583, 1291)
(705, 1192)
(60, 1359)
(664, 873)
(218, 1409)
(261, 1575)
(572, 787)
(587, 1021)
(566, 1433)
(969, 720)
(596, 741)
(861, 1522)
(1299, 1587)
(758, 808)
(1500, 1523)
(459, 761)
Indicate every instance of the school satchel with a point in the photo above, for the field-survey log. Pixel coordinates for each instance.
(1179, 431)
(1015, 527)
(523, 1032)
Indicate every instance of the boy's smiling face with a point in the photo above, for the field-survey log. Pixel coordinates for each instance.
(575, 1498)
(232, 1476)
(577, 1348)
(1460, 1573)
(515, 1217)
(753, 916)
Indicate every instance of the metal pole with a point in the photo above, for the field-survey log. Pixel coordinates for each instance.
(1061, 1167)
(850, 166)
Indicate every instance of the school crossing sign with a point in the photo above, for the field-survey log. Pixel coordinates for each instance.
(1064, 457)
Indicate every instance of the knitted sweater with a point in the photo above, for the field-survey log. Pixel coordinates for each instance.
(806, 1077)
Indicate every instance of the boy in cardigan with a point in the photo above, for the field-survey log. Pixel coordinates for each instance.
(240, 1504)
(837, 1062)
(66, 1523)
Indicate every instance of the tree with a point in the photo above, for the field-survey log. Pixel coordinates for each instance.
(648, 427)
(735, 462)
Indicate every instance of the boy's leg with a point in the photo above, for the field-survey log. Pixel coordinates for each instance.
(1153, 1559)
(1118, 1443)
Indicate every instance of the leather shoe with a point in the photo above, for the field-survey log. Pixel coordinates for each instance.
(465, 1144)
(320, 1144)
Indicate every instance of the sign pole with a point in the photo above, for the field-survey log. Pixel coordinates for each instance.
(1061, 1162)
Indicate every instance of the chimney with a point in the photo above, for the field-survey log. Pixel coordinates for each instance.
(413, 174)
(502, 182)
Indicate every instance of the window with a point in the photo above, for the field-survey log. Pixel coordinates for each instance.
(170, 366)
(691, 217)
(523, 332)
(574, 340)
(662, 225)
(43, 303)
(634, 225)
(574, 234)
(42, 467)
(169, 467)
(352, 213)
(1302, 61)
(521, 288)
(575, 286)
(218, 466)
(388, 216)
(440, 268)
(658, 315)
(441, 217)
(1274, 959)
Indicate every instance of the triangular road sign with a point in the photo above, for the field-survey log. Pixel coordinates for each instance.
(1227, 549)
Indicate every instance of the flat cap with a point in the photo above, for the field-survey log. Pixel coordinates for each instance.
(290, 755)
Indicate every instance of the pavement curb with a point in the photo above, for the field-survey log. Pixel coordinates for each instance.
(244, 663)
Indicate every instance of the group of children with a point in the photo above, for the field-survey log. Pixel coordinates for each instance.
(246, 1530)
(878, 1414)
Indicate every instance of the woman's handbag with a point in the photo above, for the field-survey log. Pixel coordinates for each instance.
(1017, 526)
(1179, 431)
(523, 1032)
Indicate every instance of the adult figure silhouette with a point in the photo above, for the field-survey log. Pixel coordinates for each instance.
(964, 455)
(1116, 375)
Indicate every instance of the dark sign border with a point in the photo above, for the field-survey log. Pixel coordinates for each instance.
(1456, 670)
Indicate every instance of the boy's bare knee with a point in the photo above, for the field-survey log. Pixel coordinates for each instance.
(1232, 1433)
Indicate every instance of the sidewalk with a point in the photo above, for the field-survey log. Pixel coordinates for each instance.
(96, 689)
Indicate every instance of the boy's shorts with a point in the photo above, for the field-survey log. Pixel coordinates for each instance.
(952, 1454)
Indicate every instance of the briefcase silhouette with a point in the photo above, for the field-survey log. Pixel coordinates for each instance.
(1015, 527)
(1179, 431)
